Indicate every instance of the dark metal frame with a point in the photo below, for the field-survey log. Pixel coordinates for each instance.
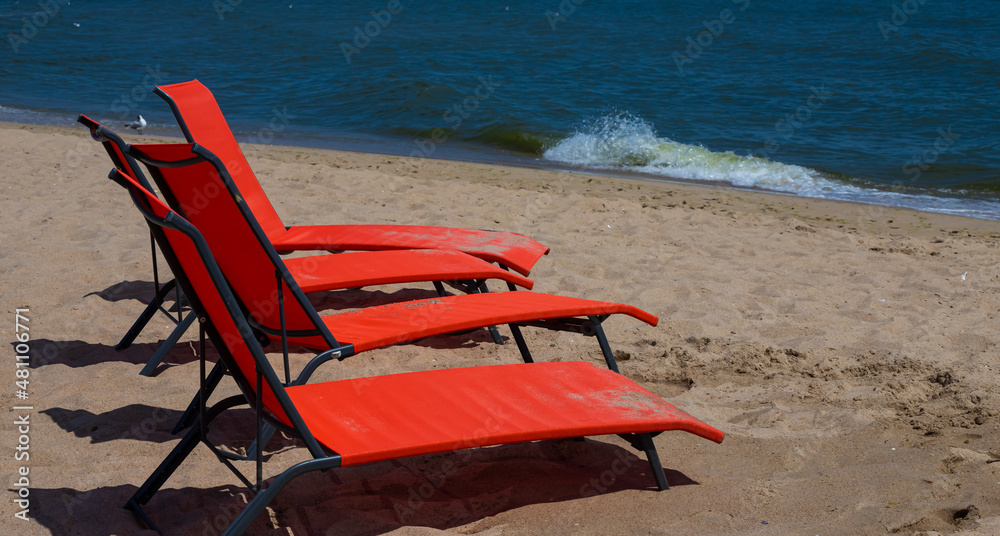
(118, 151)
(323, 460)
(264, 373)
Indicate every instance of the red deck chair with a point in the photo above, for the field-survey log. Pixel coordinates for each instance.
(348, 270)
(116, 148)
(365, 420)
(202, 122)
(197, 186)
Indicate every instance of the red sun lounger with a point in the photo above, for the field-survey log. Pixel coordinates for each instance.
(365, 420)
(202, 122)
(188, 175)
(196, 185)
(335, 272)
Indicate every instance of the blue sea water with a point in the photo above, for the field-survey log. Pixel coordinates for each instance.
(883, 101)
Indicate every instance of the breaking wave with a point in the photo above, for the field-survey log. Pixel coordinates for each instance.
(622, 141)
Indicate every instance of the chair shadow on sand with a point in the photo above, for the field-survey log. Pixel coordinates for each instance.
(324, 302)
(141, 291)
(441, 491)
(233, 431)
(77, 354)
(134, 421)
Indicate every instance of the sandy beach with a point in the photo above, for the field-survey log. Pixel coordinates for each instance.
(848, 351)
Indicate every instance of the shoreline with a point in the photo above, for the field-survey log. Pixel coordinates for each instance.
(830, 213)
(847, 350)
(461, 151)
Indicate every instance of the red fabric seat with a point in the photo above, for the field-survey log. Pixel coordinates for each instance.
(513, 250)
(394, 323)
(361, 269)
(385, 417)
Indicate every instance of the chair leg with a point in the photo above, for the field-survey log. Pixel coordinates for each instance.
(165, 469)
(174, 460)
(169, 343)
(146, 316)
(494, 332)
(439, 287)
(510, 286)
(602, 339)
(654, 461)
(264, 497)
(191, 413)
(265, 436)
(474, 288)
(521, 344)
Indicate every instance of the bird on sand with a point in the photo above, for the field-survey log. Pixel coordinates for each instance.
(138, 124)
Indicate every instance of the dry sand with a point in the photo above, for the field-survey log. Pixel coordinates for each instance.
(848, 351)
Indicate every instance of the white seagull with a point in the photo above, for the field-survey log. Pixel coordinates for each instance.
(138, 124)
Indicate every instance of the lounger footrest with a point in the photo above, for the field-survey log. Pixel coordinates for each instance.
(515, 251)
(369, 268)
(385, 325)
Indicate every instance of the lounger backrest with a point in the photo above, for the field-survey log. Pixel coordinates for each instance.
(200, 190)
(210, 297)
(202, 122)
(116, 148)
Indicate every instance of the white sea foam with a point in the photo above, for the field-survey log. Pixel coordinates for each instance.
(625, 142)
